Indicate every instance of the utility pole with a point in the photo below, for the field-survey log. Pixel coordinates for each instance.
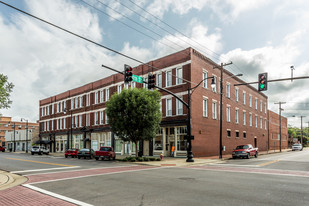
(221, 106)
(301, 128)
(280, 109)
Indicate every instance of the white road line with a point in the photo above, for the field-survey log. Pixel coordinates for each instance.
(57, 195)
(38, 170)
(94, 175)
(75, 170)
(222, 164)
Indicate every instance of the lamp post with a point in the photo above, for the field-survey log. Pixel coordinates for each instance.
(71, 121)
(14, 143)
(26, 133)
(189, 146)
(221, 107)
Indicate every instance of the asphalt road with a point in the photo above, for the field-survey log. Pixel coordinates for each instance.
(274, 179)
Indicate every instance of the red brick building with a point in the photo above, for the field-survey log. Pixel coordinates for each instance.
(244, 110)
(274, 131)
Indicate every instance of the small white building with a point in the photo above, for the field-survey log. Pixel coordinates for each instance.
(20, 140)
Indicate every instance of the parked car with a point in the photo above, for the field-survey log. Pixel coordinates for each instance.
(39, 150)
(105, 152)
(85, 153)
(245, 151)
(2, 149)
(71, 153)
(297, 147)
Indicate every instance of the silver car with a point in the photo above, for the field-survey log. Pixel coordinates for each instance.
(297, 147)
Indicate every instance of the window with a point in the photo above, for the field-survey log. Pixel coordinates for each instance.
(168, 107)
(261, 106)
(265, 108)
(119, 89)
(214, 89)
(76, 121)
(179, 107)
(96, 97)
(228, 114)
(101, 117)
(265, 124)
(53, 108)
(250, 101)
(205, 107)
(96, 118)
(228, 133)
(133, 84)
(57, 108)
(80, 120)
(244, 97)
(88, 100)
(76, 102)
(159, 80)
(88, 119)
(126, 85)
(256, 121)
(237, 134)
(81, 101)
(256, 103)
(179, 76)
(64, 123)
(237, 94)
(244, 135)
(107, 94)
(244, 118)
(214, 110)
(250, 120)
(261, 122)
(168, 78)
(101, 96)
(106, 118)
(205, 75)
(228, 90)
(237, 116)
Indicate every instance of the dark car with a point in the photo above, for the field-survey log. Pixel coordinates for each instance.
(2, 149)
(85, 153)
(71, 153)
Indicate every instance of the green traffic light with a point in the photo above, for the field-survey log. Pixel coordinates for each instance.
(262, 86)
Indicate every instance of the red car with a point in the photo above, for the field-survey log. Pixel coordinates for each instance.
(245, 151)
(105, 152)
(71, 153)
(2, 149)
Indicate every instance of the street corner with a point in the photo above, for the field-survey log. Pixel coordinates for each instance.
(9, 180)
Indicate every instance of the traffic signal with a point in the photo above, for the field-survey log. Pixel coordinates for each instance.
(127, 73)
(262, 82)
(151, 81)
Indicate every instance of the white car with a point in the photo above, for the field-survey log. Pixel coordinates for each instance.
(297, 147)
(39, 150)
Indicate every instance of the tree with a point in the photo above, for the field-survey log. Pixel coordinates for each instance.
(134, 114)
(5, 89)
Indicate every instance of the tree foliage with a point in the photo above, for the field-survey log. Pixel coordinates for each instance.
(5, 89)
(134, 114)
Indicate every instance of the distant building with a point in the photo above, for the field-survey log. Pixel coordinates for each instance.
(7, 129)
(274, 131)
(245, 110)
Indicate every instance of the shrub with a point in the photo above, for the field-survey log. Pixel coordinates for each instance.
(158, 159)
(152, 158)
(146, 159)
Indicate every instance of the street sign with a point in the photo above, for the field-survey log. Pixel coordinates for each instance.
(137, 79)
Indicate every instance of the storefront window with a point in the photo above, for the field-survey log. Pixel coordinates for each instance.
(158, 143)
(181, 138)
(118, 145)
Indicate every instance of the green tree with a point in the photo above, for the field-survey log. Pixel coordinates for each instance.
(5, 89)
(134, 114)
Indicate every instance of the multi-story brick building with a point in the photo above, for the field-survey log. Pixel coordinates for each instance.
(7, 129)
(274, 131)
(244, 110)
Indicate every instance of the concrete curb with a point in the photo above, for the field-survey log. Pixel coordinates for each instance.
(8, 180)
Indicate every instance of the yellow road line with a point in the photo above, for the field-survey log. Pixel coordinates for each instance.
(47, 163)
(268, 163)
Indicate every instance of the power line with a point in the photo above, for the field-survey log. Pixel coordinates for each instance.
(86, 39)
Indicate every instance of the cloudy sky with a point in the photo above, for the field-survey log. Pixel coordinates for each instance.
(256, 35)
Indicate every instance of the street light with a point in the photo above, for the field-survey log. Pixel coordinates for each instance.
(68, 139)
(189, 147)
(13, 126)
(301, 128)
(26, 133)
(221, 107)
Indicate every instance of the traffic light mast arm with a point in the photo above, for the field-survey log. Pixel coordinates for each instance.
(274, 80)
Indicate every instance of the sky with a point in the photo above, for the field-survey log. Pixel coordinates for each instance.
(256, 35)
